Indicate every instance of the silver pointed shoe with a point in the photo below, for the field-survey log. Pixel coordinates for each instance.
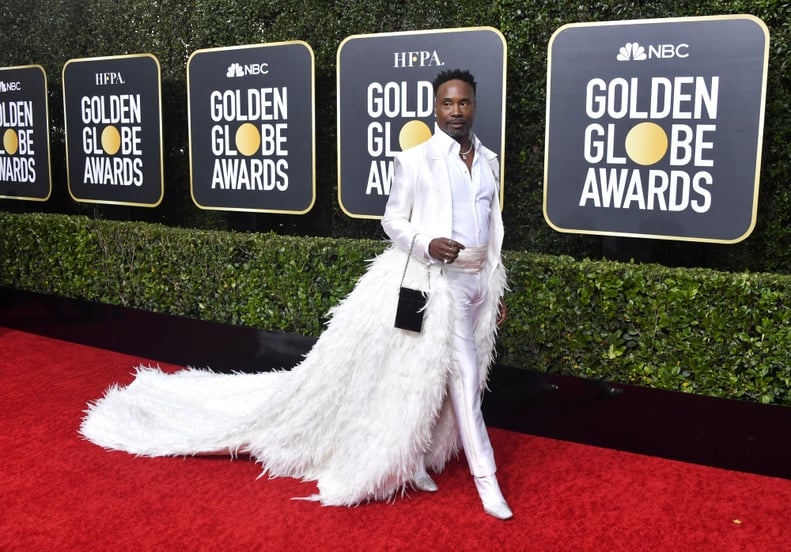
(499, 510)
(423, 482)
(493, 502)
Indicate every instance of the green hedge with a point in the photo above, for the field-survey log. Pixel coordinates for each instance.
(691, 330)
(695, 330)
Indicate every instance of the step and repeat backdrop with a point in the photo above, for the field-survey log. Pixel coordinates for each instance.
(251, 119)
(386, 103)
(114, 130)
(653, 127)
(24, 125)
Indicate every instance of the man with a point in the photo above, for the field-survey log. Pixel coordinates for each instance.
(444, 206)
(366, 411)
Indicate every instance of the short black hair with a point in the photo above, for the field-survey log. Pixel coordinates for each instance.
(454, 74)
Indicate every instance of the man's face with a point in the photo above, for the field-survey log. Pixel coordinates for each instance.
(455, 107)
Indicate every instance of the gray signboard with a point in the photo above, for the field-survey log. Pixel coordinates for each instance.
(654, 127)
(251, 116)
(24, 134)
(113, 125)
(386, 103)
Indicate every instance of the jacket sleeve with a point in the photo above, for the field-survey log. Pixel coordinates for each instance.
(397, 219)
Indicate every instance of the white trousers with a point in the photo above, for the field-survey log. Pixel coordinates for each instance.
(468, 290)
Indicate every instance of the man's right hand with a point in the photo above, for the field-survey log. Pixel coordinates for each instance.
(444, 249)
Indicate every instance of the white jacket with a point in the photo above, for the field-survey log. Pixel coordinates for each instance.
(420, 199)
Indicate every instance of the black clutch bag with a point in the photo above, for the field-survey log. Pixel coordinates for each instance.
(411, 303)
(409, 313)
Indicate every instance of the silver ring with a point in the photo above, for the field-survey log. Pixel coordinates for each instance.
(445, 261)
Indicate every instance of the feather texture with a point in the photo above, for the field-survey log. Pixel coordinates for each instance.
(357, 415)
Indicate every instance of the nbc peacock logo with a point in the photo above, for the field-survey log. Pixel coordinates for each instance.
(234, 70)
(631, 51)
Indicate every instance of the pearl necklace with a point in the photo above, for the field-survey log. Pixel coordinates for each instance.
(464, 154)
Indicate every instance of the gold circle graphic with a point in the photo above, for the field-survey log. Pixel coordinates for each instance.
(10, 141)
(247, 139)
(111, 140)
(646, 143)
(413, 133)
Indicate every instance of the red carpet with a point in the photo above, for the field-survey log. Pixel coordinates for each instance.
(62, 493)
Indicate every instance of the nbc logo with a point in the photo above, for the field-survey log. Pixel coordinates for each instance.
(10, 86)
(234, 70)
(631, 51)
(237, 70)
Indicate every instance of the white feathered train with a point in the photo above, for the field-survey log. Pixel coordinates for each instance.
(357, 415)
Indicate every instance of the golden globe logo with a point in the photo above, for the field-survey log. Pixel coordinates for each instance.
(637, 138)
(17, 162)
(249, 138)
(111, 139)
(389, 103)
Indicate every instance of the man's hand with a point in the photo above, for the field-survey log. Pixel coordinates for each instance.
(502, 312)
(444, 249)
